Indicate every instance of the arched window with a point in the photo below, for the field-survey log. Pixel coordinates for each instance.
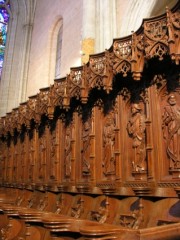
(4, 18)
(58, 53)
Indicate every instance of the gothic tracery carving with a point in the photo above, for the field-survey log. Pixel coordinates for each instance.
(55, 96)
(122, 57)
(156, 38)
(43, 101)
(96, 74)
(75, 82)
(33, 109)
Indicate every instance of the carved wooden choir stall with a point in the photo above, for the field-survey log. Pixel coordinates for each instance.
(97, 154)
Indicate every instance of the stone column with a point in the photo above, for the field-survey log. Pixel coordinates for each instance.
(27, 45)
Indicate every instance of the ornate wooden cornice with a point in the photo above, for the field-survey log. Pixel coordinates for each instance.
(157, 37)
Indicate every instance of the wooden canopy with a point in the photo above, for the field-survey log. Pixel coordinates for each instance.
(97, 154)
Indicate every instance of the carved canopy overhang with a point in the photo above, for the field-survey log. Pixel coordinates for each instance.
(156, 38)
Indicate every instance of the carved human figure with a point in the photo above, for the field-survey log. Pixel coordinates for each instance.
(43, 202)
(132, 220)
(53, 156)
(23, 161)
(19, 199)
(108, 146)
(31, 160)
(9, 162)
(68, 152)
(42, 157)
(171, 131)
(136, 130)
(86, 148)
(15, 165)
(60, 204)
(139, 218)
(102, 214)
(1, 163)
(78, 209)
(31, 200)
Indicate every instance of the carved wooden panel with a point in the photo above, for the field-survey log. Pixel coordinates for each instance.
(97, 154)
(110, 126)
